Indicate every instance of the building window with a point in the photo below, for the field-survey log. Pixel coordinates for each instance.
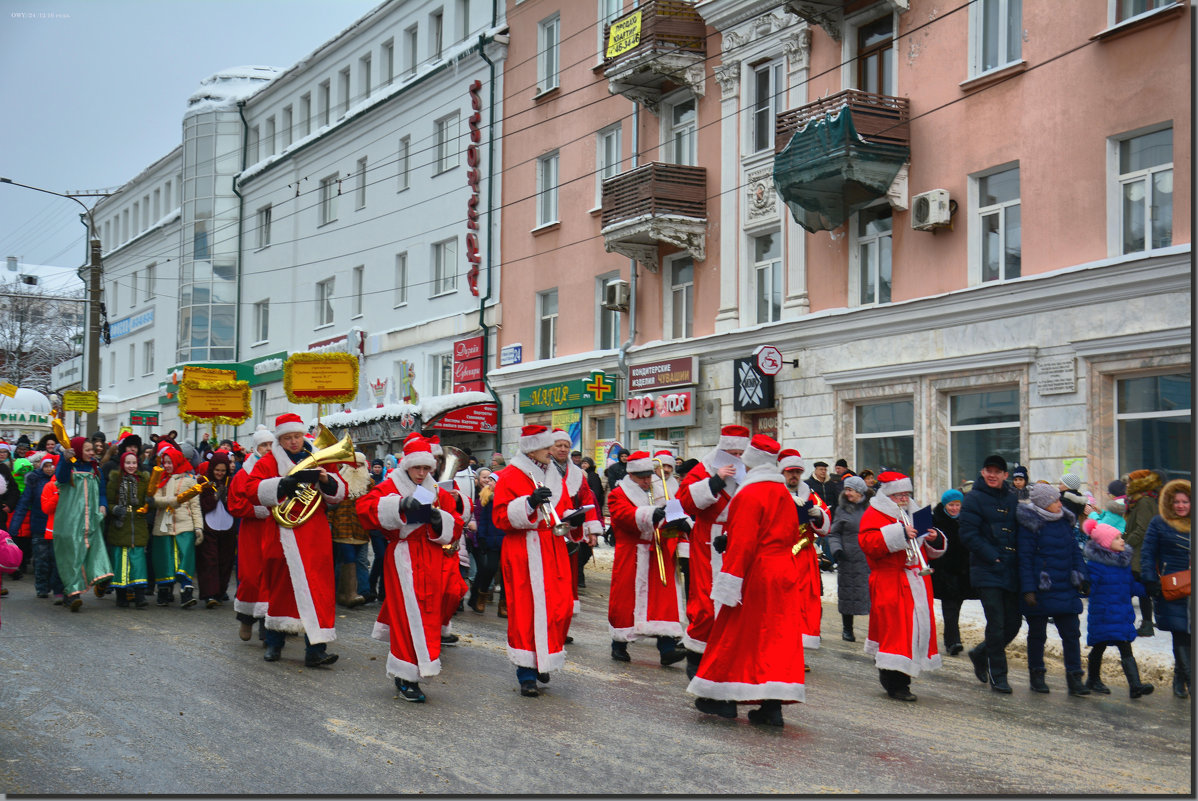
(607, 158)
(305, 114)
(404, 160)
(364, 65)
(199, 240)
(885, 436)
(547, 325)
(151, 274)
(411, 41)
(261, 321)
(401, 279)
(875, 56)
(1146, 191)
(548, 34)
(359, 278)
(260, 406)
(157, 205)
(999, 222)
(132, 287)
(343, 80)
(436, 33)
(996, 28)
(681, 313)
(681, 133)
(360, 191)
(136, 218)
(268, 138)
(445, 266)
(324, 302)
(264, 215)
(608, 320)
(324, 100)
(388, 51)
(547, 189)
(147, 357)
(767, 91)
(982, 423)
(330, 187)
(441, 369)
(463, 19)
(1154, 428)
(445, 140)
(767, 273)
(874, 229)
(132, 361)
(288, 126)
(1126, 9)
(609, 10)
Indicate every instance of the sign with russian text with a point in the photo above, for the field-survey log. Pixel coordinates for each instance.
(216, 402)
(207, 374)
(511, 354)
(134, 322)
(143, 418)
(660, 410)
(467, 363)
(20, 417)
(479, 417)
(598, 388)
(321, 377)
(659, 375)
(9, 390)
(473, 179)
(80, 401)
(624, 34)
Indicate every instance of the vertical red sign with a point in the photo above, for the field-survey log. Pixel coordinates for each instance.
(473, 179)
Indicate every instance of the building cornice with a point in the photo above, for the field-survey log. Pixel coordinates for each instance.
(1125, 343)
(974, 362)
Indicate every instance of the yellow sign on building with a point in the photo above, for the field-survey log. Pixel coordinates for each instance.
(80, 401)
(624, 34)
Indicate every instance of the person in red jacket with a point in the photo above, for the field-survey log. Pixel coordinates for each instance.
(902, 626)
(814, 521)
(418, 518)
(250, 601)
(580, 497)
(753, 655)
(705, 494)
(536, 567)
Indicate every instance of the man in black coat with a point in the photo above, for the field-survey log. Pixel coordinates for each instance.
(988, 530)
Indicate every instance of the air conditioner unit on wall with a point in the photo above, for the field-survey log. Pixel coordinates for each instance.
(616, 296)
(930, 210)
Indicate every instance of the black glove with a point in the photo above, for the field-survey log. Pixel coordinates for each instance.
(1083, 589)
(1152, 587)
(409, 504)
(681, 524)
(540, 496)
(326, 482)
(1029, 598)
(434, 519)
(659, 515)
(575, 518)
(837, 555)
(719, 542)
(289, 485)
(717, 484)
(118, 514)
(459, 504)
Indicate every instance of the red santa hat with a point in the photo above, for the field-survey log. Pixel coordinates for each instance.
(762, 451)
(434, 444)
(733, 438)
(262, 435)
(790, 459)
(639, 462)
(417, 452)
(665, 457)
(533, 438)
(52, 458)
(561, 435)
(289, 424)
(892, 481)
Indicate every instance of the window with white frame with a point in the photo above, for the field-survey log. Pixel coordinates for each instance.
(343, 78)
(547, 189)
(441, 371)
(1154, 427)
(445, 142)
(151, 275)
(547, 324)
(999, 224)
(132, 286)
(147, 357)
(681, 298)
(875, 225)
(366, 79)
(411, 43)
(608, 321)
(609, 10)
(1146, 191)
(767, 93)
(388, 52)
(360, 189)
(324, 101)
(445, 266)
(305, 114)
(132, 361)
(330, 187)
(979, 424)
(268, 137)
(324, 302)
(607, 157)
(288, 126)
(157, 205)
(436, 33)
(253, 145)
(548, 56)
(112, 370)
(262, 321)
(260, 406)
(996, 33)
(359, 280)
(264, 216)
(767, 277)
(404, 162)
(1127, 9)
(884, 436)
(463, 17)
(681, 132)
(401, 279)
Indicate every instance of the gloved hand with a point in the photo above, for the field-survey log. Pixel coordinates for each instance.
(575, 518)
(837, 555)
(409, 504)
(1029, 598)
(716, 484)
(804, 513)
(434, 519)
(540, 496)
(118, 514)
(719, 542)
(659, 515)
(289, 485)
(1153, 587)
(459, 504)
(682, 524)
(1083, 589)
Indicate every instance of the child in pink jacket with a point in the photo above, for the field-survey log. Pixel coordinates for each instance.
(10, 553)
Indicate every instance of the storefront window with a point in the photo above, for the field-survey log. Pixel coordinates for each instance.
(885, 436)
(982, 423)
(1153, 427)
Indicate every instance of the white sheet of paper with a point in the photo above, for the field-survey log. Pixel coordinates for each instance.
(424, 495)
(446, 485)
(723, 458)
(674, 510)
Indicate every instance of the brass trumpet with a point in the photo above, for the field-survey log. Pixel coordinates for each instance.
(914, 552)
(155, 475)
(296, 510)
(549, 515)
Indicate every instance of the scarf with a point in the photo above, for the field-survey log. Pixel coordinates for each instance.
(1045, 514)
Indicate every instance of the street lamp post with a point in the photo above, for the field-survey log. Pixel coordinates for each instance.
(92, 379)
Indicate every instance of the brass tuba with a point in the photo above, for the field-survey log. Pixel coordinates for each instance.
(296, 510)
(454, 459)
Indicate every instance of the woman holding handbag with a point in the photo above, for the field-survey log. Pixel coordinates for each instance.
(1166, 553)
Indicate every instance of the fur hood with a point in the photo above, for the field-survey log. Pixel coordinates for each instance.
(1029, 519)
(1140, 483)
(1165, 504)
(1096, 553)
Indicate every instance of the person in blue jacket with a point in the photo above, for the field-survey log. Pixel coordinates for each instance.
(1052, 580)
(1110, 619)
(45, 570)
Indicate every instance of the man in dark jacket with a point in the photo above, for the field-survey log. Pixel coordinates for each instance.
(828, 489)
(988, 530)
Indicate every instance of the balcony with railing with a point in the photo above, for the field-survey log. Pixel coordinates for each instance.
(659, 45)
(655, 204)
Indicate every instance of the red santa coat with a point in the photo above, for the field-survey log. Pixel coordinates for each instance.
(902, 628)
(297, 563)
(536, 567)
(413, 574)
(812, 586)
(754, 653)
(454, 587)
(256, 526)
(580, 495)
(709, 513)
(639, 605)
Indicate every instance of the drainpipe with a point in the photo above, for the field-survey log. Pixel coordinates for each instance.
(245, 135)
(482, 302)
(622, 360)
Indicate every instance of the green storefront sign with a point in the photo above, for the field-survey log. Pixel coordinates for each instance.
(595, 389)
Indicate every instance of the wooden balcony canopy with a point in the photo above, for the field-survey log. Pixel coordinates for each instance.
(660, 41)
(654, 204)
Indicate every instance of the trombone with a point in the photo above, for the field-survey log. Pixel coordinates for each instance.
(914, 552)
(658, 536)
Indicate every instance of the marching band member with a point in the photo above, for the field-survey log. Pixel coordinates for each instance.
(413, 570)
(454, 586)
(814, 521)
(536, 567)
(705, 493)
(902, 627)
(250, 602)
(580, 495)
(297, 563)
(640, 604)
(752, 655)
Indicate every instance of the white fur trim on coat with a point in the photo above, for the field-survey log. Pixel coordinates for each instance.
(424, 664)
(268, 492)
(895, 537)
(303, 593)
(743, 693)
(726, 589)
(388, 512)
(520, 515)
(701, 493)
(445, 534)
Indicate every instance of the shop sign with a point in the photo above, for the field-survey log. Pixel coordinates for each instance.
(511, 354)
(80, 401)
(479, 417)
(467, 364)
(469, 386)
(128, 325)
(623, 35)
(659, 375)
(473, 179)
(766, 424)
(750, 389)
(467, 371)
(16, 417)
(659, 410)
(143, 418)
(596, 389)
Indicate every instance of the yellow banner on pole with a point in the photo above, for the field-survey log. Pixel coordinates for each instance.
(208, 374)
(80, 401)
(624, 34)
(320, 377)
(9, 390)
(215, 402)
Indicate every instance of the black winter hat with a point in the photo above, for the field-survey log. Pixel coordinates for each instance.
(994, 460)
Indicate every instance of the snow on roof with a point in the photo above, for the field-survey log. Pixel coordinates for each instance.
(426, 409)
(226, 88)
(18, 276)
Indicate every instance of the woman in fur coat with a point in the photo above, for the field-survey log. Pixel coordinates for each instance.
(852, 568)
(1167, 550)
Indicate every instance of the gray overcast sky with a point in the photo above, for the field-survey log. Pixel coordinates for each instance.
(93, 91)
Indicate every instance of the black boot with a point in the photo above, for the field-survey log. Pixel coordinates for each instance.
(619, 651)
(770, 714)
(710, 706)
(164, 595)
(998, 674)
(847, 635)
(692, 663)
(1181, 671)
(1076, 684)
(981, 667)
(1134, 685)
(1094, 677)
(122, 600)
(139, 598)
(1037, 681)
(187, 598)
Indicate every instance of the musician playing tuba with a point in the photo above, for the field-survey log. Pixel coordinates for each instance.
(297, 562)
(814, 521)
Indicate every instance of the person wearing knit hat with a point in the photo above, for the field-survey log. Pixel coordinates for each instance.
(255, 527)
(1052, 580)
(815, 520)
(178, 527)
(1019, 480)
(583, 538)
(705, 493)
(127, 532)
(950, 576)
(902, 626)
(529, 495)
(216, 552)
(852, 568)
(30, 518)
(1071, 495)
(1143, 492)
(419, 519)
(79, 549)
(752, 655)
(297, 562)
